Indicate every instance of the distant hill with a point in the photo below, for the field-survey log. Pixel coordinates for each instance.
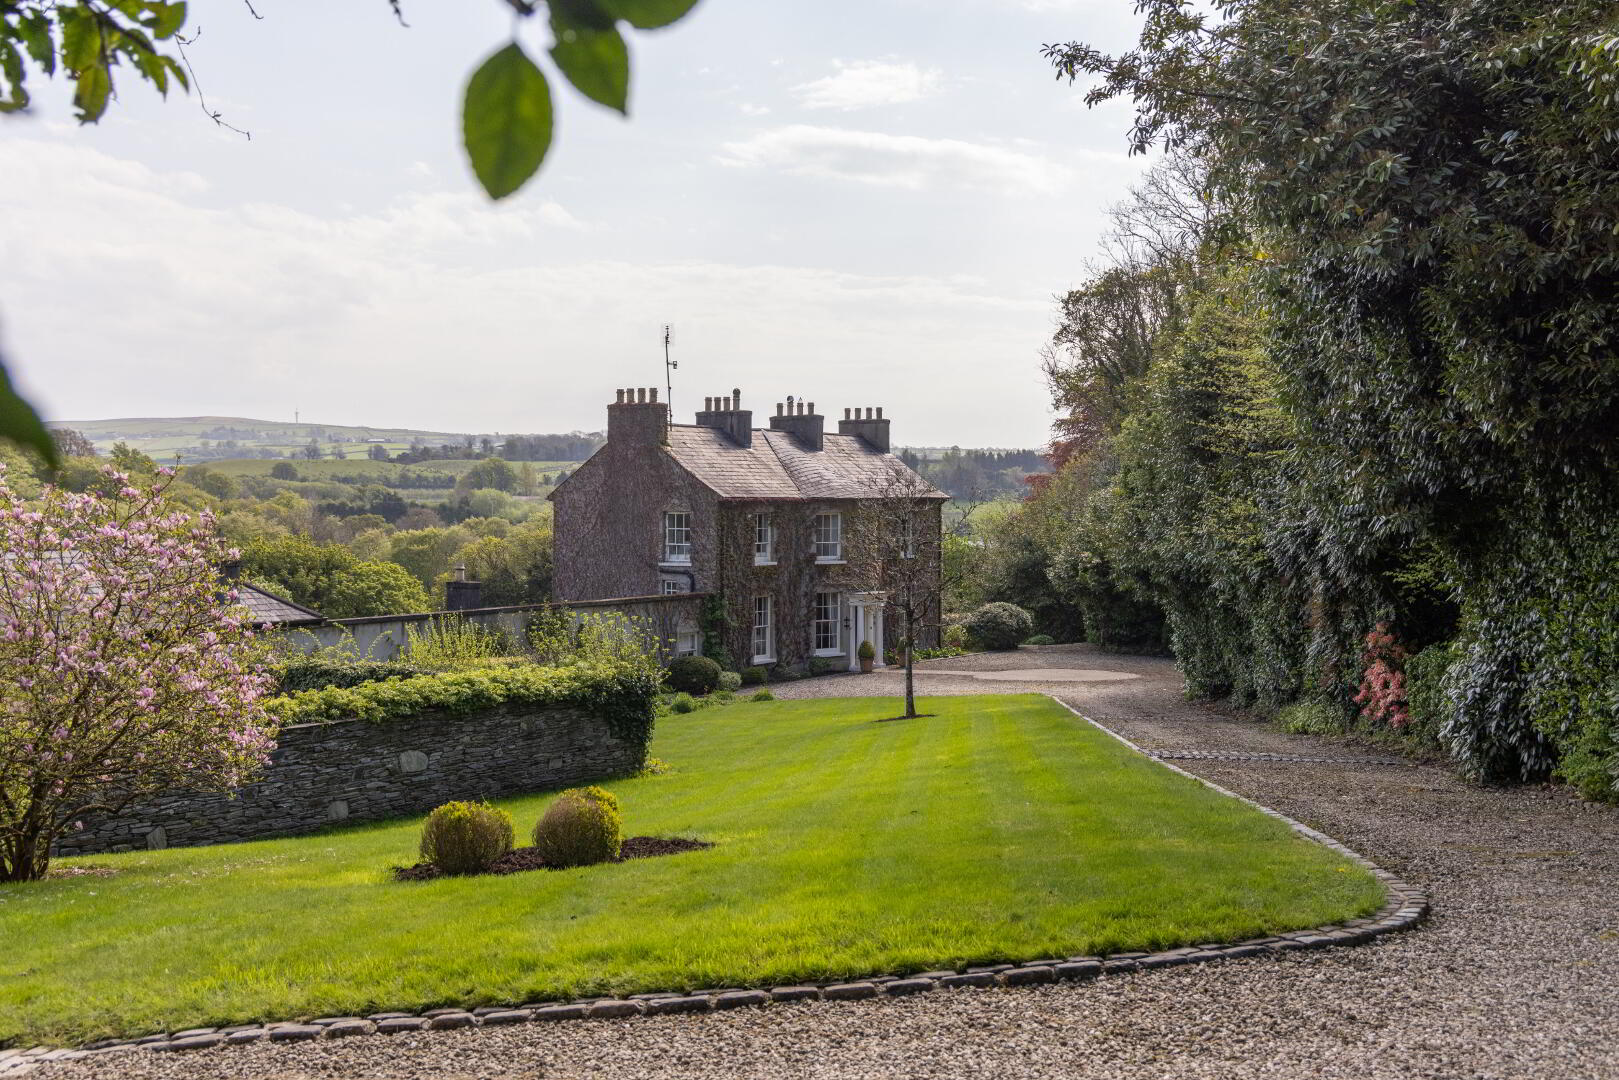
(194, 439)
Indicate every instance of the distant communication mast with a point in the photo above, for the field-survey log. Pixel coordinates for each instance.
(669, 366)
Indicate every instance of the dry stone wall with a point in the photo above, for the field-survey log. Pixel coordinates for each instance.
(354, 770)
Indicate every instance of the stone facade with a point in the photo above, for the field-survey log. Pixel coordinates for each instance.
(321, 774)
(719, 476)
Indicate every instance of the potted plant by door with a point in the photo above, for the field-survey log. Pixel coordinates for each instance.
(868, 656)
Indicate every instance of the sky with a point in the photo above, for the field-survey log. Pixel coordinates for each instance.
(857, 202)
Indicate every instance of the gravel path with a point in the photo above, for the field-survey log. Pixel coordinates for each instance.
(1515, 976)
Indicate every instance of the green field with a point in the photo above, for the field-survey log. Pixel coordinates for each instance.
(162, 437)
(1000, 828)
(366, 469)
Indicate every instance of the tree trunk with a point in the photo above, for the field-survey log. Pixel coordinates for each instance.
(25, 855)
(910, 665)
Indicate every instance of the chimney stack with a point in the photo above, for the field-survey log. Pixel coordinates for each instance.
(637, 417)
(803, 423)
(461, 594)
(872, 428)
(727, 414)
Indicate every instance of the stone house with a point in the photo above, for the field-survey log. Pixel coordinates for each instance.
(809, 542)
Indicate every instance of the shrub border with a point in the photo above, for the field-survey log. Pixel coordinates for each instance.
(1407, 905)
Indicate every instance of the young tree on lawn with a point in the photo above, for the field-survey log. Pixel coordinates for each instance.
(900, 534)
(124, 670)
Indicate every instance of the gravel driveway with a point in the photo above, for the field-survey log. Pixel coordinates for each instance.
(1516, 975)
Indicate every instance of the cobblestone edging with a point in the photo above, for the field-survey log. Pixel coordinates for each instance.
(1407, 905)
(1286, 759)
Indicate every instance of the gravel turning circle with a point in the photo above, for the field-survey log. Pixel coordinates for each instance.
(1513, 977)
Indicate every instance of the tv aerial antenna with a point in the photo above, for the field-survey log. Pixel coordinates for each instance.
(669, 365)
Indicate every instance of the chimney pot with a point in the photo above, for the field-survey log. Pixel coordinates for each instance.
(879, 412)
(736, 396)
(812, 408)
(708, 404)
(620, 396)
(727, 404)
(652, 395)
(778, 408)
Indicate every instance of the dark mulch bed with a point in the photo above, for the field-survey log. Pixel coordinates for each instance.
(520, 859)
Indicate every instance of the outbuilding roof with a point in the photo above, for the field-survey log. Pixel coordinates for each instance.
(778, 466)
(271, 610)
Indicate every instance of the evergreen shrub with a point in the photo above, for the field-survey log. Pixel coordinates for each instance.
(319, 672)
(753, 676)
(693, 674)
(1041, 639)
(466, 837)
(1309, 718)
(730, 681)
(1000, 625)
(582, 827)
(1428, 706)
(682, 703)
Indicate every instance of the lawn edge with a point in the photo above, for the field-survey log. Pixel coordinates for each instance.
(1406, 906)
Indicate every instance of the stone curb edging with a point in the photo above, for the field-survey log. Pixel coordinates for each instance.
(1407, 905)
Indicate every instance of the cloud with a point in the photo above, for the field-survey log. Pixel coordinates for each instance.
(903, 161)
(127, 295)
(750, 109)
(861, 84)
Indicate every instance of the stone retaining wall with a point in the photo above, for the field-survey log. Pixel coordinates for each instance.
(360, 771)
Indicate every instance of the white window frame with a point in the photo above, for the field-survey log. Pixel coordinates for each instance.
(827, 537)
(764, 629)
(821, 622)
(672, 586)
(677, 538)
(764, 540)
(688, 640)
(907, 536)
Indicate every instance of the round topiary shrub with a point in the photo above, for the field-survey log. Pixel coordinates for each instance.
(693, 674)
(1000, 626)
(580, 828)
(753, 676)
(731, 680)
(466, 837)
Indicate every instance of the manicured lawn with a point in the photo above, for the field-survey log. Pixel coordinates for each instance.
(1001, 828)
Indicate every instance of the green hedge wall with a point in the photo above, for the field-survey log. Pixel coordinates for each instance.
(623, 693)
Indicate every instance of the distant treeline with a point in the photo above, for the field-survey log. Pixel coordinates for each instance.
(980, 474)
(575, 446)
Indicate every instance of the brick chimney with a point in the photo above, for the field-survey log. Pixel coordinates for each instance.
(800, 420)
(874, 429)
(727, 414)
(638, 418)
(461, 594)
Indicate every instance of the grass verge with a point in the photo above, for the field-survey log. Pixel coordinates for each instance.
(998, 828)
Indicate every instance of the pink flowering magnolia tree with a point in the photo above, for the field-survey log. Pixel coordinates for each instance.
(124, 668)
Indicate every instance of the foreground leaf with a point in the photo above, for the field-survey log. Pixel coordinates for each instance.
(595, 61)
(647, 14)
(20, 424)
(506, 120)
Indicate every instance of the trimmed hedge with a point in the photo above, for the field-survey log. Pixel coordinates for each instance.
(314, 673)
(466, 837)
(582, 827)
(1000, 625)
(624, 693)
(693, 674)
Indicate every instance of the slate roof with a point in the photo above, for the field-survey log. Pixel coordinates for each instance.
(778, 466)
(271, 610)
